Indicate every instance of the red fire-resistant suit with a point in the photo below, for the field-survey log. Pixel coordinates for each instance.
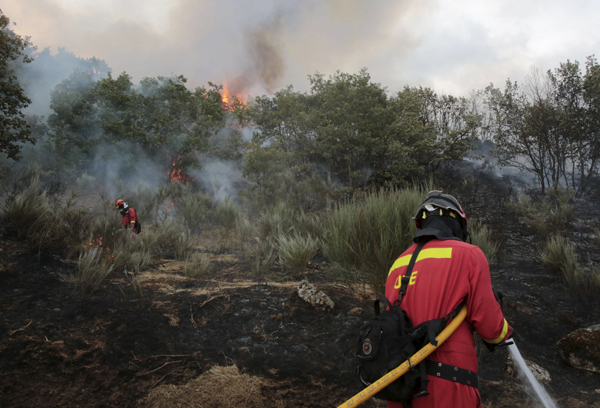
(446, 273)
(129, 219)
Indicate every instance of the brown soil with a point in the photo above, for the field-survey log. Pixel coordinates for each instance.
(123, 349)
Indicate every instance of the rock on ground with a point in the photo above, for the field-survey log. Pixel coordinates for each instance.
(581, 348)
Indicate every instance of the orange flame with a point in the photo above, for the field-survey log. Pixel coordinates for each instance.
(227, 97)
(96, 242)
(176, 175)
(225, 94)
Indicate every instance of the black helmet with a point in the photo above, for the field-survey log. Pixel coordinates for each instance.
(447, 205)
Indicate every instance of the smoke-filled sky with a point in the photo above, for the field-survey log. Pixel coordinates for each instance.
(453, 46)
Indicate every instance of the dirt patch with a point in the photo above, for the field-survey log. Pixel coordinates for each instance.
(220, 386)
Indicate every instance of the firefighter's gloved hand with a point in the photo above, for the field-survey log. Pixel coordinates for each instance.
(491, 347)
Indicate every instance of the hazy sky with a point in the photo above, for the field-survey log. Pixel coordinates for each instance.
(453, 46)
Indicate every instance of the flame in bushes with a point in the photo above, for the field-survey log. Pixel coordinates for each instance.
(225, 94)
(228, 98)
(96, 242)
(175, 173)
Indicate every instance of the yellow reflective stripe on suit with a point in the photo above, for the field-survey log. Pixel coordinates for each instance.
(427, 253)
(499, 339)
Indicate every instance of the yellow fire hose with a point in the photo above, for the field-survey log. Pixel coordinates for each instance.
(404, 367)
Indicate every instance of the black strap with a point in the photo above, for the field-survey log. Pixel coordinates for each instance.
(376, 306)
(452, 373)
(406, 278)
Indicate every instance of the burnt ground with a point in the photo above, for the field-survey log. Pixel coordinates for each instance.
(112, 351)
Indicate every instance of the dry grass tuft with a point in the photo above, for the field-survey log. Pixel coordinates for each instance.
(366, 234)
(295, 251)
(553, 215)
(197, 266)
(482, 237)
(223, 387)
(92, 269)
(559, 256)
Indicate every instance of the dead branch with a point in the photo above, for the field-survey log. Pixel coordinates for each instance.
(170, 355)
(192, 315)
(211, 299)
(161, 378)
(22, 328)
(156, 369)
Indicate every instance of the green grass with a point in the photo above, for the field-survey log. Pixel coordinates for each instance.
(93, 267)
(553, 215)
(197, 266)
(559, 257)
(295, 251)
(366, 234)
(481, 236)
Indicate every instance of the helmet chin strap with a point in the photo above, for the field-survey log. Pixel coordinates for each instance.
(441, 227)
(124, 208)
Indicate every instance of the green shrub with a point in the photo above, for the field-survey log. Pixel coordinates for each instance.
(554, 214)
(172, 239)
(481, 236)
(366, 234)
(310, 224)
(197, 266)
(85, 182)
(278, 219)
(193, 209)
(107, 230)
(28, 208)
(132, 255)
(226, 214)
(246, 231)
(92, 269)
(58, 228)
(295, 251)
(559, 257)
(264, 255)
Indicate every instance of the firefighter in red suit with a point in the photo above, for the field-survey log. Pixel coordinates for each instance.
(129, 216)
(448, 272)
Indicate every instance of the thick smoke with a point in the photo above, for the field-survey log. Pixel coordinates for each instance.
(221, 179)
(260, 45)
(40, 77)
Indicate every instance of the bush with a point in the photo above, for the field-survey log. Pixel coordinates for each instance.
(554, 214)
(245, 230)
(27, 208)
(264, 255)
(295, 251)
(278, 219)
(193, 209)
(226, 214)
(31, 216)
(132, 255)
(481, 236)
(172, 239)
(85, 182)
(197, 266)
(365, 235)
(559, 257)
(92, 269)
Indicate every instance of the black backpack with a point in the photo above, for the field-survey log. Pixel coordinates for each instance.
(389, 339)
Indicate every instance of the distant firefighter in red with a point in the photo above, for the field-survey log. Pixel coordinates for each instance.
(130, 218)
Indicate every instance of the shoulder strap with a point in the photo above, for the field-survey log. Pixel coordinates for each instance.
(409, 269)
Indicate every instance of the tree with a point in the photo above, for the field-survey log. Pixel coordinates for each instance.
(550, 126)
(74, 123)
(350, 126)
(13, 127)
(161, 115)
